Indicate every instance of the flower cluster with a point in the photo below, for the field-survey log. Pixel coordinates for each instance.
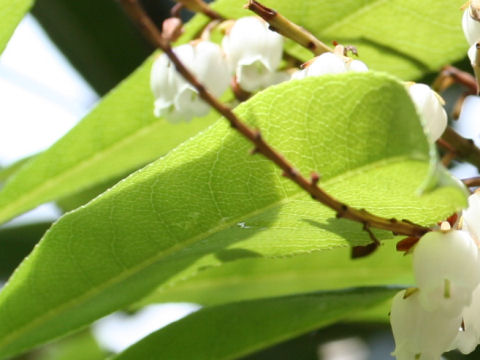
(443, 312)
(250, 52)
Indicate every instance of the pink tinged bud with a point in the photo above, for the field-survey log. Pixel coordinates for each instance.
(177, 100)
(471, 27)
(447, 270)
(418, 333)
(254, 52)
(429, 106)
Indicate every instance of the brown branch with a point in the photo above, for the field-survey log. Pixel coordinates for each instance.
(201, 7)
(368, 220)
(451, 75)
(464, 149)
(472, 182)
(285, 27)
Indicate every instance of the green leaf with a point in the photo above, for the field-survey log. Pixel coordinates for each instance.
(11, 12)
(234, 330)
(243, 278)
(119, 135)
(78, 346)
(359, 130)
(408, 38)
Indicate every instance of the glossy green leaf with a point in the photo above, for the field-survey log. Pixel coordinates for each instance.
(11, 12)
(408, 38)
(234, 330)
(209, 196)
(245, 278)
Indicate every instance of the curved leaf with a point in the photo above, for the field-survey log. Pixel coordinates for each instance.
(234, 330)
(359, 130)
(11, 12)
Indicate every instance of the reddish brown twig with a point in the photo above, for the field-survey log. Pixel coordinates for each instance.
(288, 29)
(463, 148)
(401, 227)
(201, 7)
(472, 182)
(451, 75)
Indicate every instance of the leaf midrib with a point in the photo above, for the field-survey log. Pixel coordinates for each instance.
(148, 262)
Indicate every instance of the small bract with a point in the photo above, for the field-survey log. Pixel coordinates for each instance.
(253, 52)
(429, 106)
(175, 98)
(329, 63)
(471, 27)
(447, 270)
(420, 334)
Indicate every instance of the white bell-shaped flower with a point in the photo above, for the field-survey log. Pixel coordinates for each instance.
(469, 337)
(254, 52)
(329, 63)
(447, 270)
(472, 53)
(420, 334)
(429, 106)
(471, 27)
(471, 217)
(175, 98)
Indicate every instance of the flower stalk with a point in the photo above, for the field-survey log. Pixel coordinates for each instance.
(285, 27)
(200, 6)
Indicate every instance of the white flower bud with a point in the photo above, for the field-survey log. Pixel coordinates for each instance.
(471, 27)
(429, 106)
(253, 52)
(329, 63)
(447, 270)
(420, 334)
(175, 98)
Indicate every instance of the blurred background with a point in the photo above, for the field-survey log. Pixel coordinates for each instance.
(62, 59)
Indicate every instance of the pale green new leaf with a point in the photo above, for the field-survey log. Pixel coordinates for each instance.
(208, 196)
(244, 276)
(11, 12)
(234, 330)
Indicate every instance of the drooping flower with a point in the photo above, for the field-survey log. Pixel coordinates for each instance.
(329, 63)
(469, 337)
(472, 53)
(175, 98)
(254, 52)
(420, 334)
(471, 217)
(429, 105)
(447, 270)
(471, 26)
